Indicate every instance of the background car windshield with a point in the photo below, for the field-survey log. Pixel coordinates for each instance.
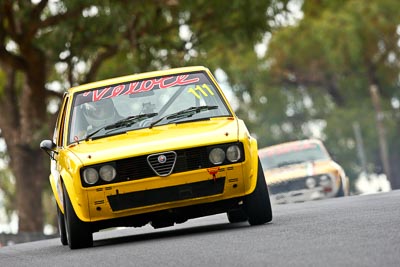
(291, 155)
(166, 95)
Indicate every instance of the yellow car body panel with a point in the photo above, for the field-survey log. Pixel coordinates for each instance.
(221, 130)
(92, 203)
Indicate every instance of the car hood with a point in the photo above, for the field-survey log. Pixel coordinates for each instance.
(157, 139)
(292, 172)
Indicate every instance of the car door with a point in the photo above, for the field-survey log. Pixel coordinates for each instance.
(58, 137)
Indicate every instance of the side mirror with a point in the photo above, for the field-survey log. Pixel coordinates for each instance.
(49, 147)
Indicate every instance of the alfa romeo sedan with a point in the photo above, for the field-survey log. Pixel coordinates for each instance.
(302, 170)
(154, 148)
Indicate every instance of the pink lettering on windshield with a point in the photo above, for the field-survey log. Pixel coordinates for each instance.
(161, 82)
(132, 88)
(117, 90)
(100, 95)
(147, 85)
(141, 86)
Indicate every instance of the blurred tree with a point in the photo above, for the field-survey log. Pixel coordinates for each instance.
(7, 194)
(48, 46)
(322, 68)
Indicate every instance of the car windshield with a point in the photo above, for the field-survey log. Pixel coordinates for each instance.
(277, 157)
(144, 104)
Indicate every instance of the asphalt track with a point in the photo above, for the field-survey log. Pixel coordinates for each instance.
(349, 231)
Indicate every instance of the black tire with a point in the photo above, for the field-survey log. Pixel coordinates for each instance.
(61, 226)
(78, 232)
(340, 192)
(258, 205)
(237, 216)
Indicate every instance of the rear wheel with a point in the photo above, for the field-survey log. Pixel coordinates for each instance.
(61, 226)
(78, 232)
(257, 205)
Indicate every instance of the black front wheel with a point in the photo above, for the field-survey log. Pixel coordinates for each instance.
(340, 192)
(61, 226)
(79, 234)
(237, 216)
(257, 205)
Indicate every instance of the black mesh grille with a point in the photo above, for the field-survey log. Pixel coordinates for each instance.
(291, 185)
(191, 159)
(287, 186)
(133, 168)
(139, 168)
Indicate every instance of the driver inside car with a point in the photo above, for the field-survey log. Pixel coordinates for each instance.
(94, 115)
(100, 113)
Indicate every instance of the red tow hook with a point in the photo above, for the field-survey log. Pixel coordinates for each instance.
(213, 171)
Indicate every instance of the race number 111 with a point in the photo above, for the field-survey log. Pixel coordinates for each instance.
(198, 91)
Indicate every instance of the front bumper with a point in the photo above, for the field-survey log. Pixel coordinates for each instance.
(165, 193)
(304, 189)
(119, 202)
(300, 195)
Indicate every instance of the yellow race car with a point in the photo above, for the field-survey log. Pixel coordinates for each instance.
(159, 147)
(302, 170)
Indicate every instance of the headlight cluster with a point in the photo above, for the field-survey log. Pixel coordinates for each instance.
(92, 175)
(324, 180)
(218, 155)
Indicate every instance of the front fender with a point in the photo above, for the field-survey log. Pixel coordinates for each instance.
(55, 183)
(70, 179)
(250, 168)
(251, 185)
(77, 196)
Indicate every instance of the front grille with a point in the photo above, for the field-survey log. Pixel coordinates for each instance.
(167, 194)
(162, 163)
(292, 185)
(133, 169)
(177, 161)
(287, 186)
(146, 166)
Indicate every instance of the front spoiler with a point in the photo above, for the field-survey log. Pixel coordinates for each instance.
(170, 216)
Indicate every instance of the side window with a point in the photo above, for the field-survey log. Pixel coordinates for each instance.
(59, 132)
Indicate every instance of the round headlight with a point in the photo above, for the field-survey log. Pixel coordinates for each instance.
(311, 183)
(90, 176)
(107, 173)
(325, 181)
(217, 156)
(233, 153)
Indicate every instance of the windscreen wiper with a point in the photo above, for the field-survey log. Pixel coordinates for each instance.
(125, 122)
(189, 112)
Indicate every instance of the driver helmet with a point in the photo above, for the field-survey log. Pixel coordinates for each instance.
(100, 112)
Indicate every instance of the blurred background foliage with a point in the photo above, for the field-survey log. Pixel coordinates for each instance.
(324, 66)
(295, 69)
